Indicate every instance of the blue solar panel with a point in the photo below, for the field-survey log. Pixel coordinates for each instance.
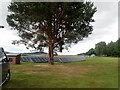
(39, 59)
(33, 60)
(25, 59)
(71, 59)
(56, 58)
(45, 59)
(42, 59)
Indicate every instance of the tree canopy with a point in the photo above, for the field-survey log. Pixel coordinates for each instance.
(56, 25)
(100, 48)
(91, 51)
(103, 49)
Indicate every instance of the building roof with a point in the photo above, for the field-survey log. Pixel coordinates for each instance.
(15, 54)
(35, 53)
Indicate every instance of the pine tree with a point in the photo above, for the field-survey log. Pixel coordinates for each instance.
(56, 25)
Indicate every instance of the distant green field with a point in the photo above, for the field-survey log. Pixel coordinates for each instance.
(96, 72)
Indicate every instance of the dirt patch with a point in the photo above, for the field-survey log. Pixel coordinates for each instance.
(62, 70)
(49, 65)
(67, 69)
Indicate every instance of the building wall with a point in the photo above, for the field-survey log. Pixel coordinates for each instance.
(16, 59)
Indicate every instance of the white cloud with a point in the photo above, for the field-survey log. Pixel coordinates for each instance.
(104, 0)
(6, 38)
(106, 15)
(105, 29)
(5, 1)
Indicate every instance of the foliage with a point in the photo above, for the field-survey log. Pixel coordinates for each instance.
(112, 49)
(100, 48)
(91, 51)
(103, 49)
(51, 24)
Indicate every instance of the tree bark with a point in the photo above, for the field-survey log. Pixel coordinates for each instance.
(51, 56)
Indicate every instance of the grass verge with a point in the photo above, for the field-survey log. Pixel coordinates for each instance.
(97, 72)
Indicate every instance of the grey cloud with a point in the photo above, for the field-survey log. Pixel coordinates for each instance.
(4, 14)
(106, 17)
(119, 19)
(106, 14)
(14, 49)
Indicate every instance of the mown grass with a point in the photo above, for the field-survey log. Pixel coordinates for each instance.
(97, 72)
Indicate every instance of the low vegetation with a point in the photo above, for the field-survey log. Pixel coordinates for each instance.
(96, 72)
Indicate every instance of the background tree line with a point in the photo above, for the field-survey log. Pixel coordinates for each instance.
(103, 49)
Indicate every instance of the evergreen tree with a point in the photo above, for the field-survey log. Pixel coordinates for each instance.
(56, 25)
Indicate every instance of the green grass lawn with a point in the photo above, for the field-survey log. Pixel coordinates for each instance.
(97, 72)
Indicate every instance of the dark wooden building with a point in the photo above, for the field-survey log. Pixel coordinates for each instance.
(15, 57)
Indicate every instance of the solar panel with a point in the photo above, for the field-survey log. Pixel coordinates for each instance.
(56, 58)
(42, 59)
(33, 60)
(71, 59)
(39, 59)
(25, 59)
(45, 59)
(22, 59)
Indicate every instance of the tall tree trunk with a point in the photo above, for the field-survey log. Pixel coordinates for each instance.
(51, 61)
(51, 45)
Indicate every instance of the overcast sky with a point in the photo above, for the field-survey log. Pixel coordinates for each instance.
(105, 29)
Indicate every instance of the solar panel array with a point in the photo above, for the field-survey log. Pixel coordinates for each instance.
(35, 59)
(25, 58)
(71, 59)
(62, 59)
